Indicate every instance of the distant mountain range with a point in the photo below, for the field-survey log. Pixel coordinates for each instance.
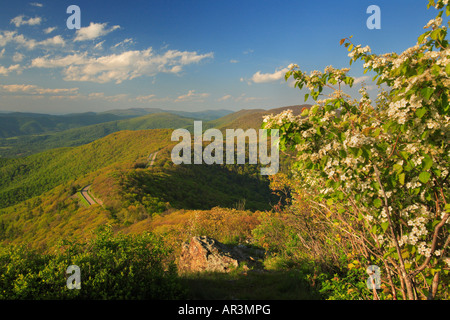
(14, 124)
(23, 134)
(201, 115)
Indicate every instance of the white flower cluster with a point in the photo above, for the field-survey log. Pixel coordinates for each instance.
(433, 23)
(423, 249)
(399, 110)
(358, 50)
(280, 118)
(357, 140)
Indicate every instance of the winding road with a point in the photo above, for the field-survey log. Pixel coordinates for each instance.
(87, 196)
(153, 158)
(91, 200)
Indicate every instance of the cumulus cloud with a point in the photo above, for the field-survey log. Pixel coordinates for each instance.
(191, 95)
(120, 67)
(17, 57)
(259, 77)
(49, 30)
(36, 4)
(55, 41)
(93, 31)
(2, 53)
(22, 20)
(19, 39)
(5, 71)
(34, 89)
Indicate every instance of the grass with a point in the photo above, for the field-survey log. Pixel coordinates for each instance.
(82, 199)
(251, 285)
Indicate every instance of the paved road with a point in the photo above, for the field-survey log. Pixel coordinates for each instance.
(153, 158)
(91, 200)
(87, 196)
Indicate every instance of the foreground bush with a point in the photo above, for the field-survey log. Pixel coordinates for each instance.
(112, 267)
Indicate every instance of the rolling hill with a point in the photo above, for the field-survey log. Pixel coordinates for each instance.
(19, 124)
(38, 193)
(249, 118)
(25, 177)
(202, 115)
(30, 144)
(27, 145)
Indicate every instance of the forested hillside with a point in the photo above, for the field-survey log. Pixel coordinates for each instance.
(22, 178)
(18, 124)
(29, 144)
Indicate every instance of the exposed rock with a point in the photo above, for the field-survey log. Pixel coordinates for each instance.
(207, 254)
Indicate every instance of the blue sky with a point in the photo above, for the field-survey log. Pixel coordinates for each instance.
(184, 55)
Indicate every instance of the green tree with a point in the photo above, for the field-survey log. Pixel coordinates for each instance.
(378, 171)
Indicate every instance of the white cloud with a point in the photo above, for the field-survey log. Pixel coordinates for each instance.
(17, 57)
(233, 61)
(55, 41)
(120, 67)
(6, 36)
(361, 79)
(49, 30)
(5, 71)
(43, 62)
(93, 31)
(147, 98)
(21, 20)
(2, 53)
(19, 39)
(259, 77)
(96, 95)
(99, 46)
(36, 4)
(248, 51)
(191, 95)
(123, 43)
(33, 89)
(225, 97)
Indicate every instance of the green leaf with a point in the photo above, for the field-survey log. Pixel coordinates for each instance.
(435, 34)
(377, 203)
(420, 39)
(398, 168)
(401, 178)
(376, 132)
(427, 92)
(447, 207)
(421, 112)
(427, 162)
(424, 177)
(384, 225)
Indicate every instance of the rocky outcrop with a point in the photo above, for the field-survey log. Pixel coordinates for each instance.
(207, 254)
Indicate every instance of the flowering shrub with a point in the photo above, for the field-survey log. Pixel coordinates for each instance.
(381, 168)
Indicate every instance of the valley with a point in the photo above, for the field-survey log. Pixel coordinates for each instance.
(126, 178)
